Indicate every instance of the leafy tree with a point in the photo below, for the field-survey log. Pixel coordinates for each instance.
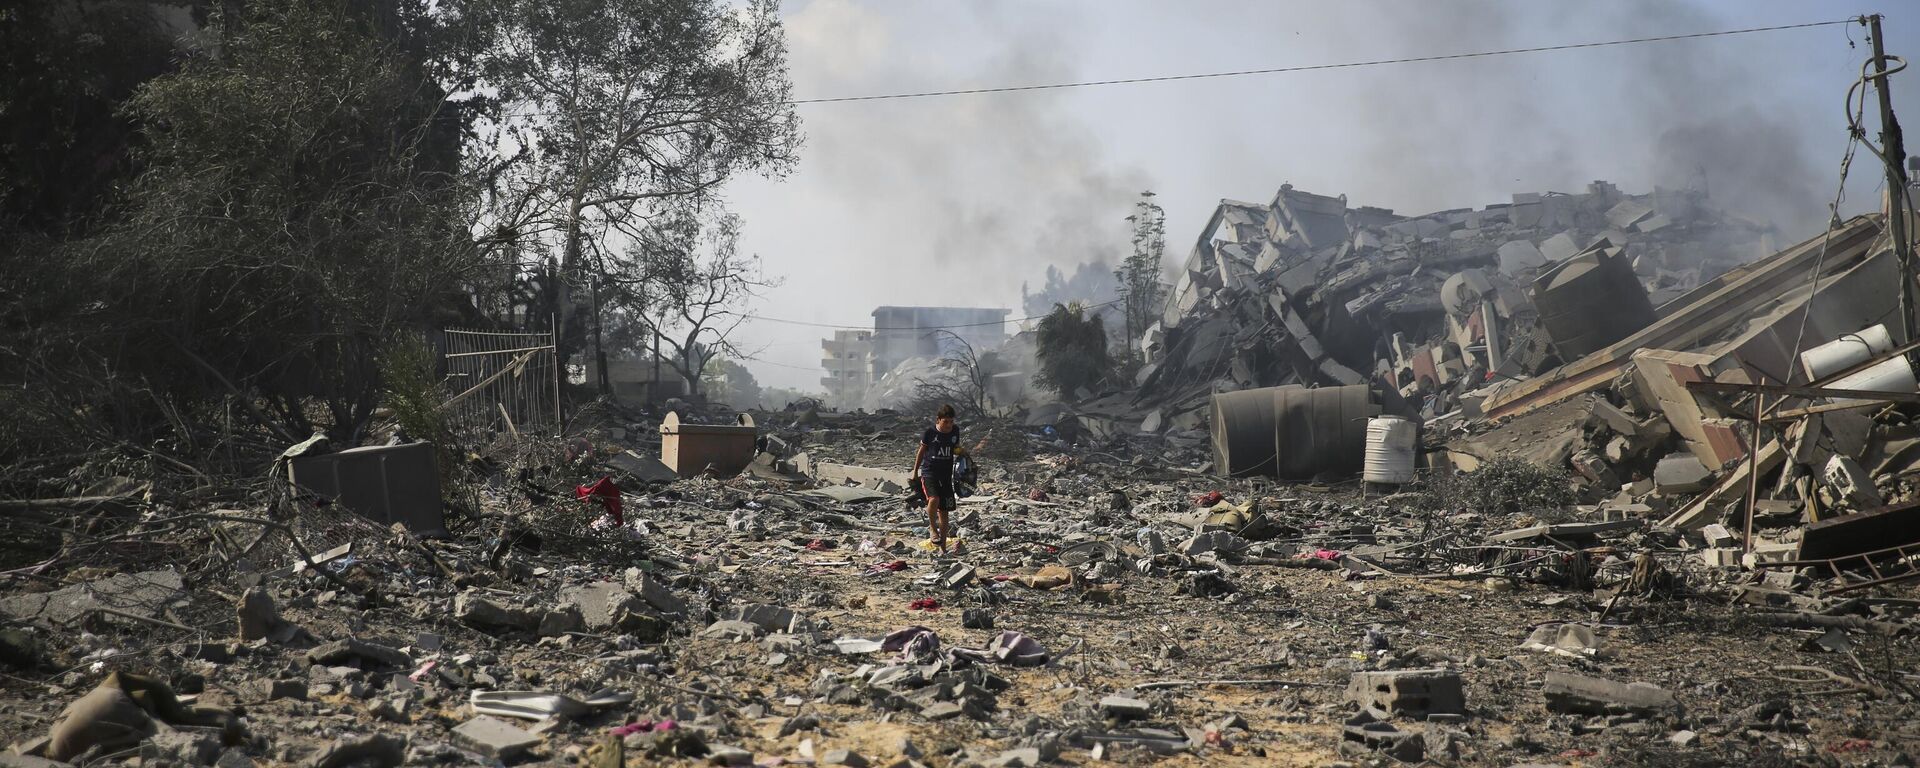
(683, 289)
(730, 382)
(64, 142)
(1141, 292)
(623, 110)
(1072, 348)
(300, 203)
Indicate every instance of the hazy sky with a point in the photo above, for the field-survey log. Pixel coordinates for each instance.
(959, 200)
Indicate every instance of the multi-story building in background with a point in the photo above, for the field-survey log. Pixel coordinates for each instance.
(856, 360)
(848, 358)
(902, 333)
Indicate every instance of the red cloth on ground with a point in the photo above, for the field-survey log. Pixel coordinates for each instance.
(608, 494)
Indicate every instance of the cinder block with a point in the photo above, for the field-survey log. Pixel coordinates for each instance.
(1412, 692)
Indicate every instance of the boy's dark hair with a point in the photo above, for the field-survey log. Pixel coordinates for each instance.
(945, 412)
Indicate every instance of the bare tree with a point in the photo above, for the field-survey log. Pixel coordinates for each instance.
(690, 281)
(966, 378)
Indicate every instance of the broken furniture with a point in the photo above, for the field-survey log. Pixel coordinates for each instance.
(384, 483)
(693, 449)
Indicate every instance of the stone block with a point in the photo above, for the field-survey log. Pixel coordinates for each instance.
(1410, 692)
(494, 738)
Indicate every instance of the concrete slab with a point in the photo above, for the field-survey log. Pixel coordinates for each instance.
(141, 594)
(493, 737)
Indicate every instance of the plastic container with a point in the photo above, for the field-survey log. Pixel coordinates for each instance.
(1891, 375)
(1390, 445)
(1845, 352)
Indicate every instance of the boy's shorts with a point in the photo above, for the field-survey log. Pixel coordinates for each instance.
(939, 488)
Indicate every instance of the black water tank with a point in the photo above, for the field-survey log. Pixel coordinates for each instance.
(1590, 301)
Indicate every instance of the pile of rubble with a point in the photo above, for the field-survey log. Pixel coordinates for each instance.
(1306, 290)
(617, 598)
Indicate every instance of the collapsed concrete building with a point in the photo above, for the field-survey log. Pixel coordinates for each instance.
(1307, 290)
(1655, 347)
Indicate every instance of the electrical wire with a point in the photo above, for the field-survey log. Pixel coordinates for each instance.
(1855, 112)
(764, 361)
(1273, 70)
(1316, 67)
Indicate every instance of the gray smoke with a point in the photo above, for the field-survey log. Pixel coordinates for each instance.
(962, 200)
(993, 188)
(1683, 114)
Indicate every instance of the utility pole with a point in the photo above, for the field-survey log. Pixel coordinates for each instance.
(1895, 151)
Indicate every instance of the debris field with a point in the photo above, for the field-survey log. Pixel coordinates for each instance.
(1382, 494)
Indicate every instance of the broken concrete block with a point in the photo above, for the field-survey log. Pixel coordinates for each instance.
(1717, 535)
(772, 618)
(845, 757)
(274, 690)
(192, 746)
(1026, 757)
(1519, 256)
(943, 710)
(1411, 692)
(1124, 708)
(1404, 746)
(1626, 213)
(1681, 473)
(1720, 557)
(956, 576)
(607, 606)
(480, 612)
(1609, 415)
(559, 622)
(733, 629)
(1578, 694)
(1847, 478)
(370, 655)
(655, 593)
(1559, 248)
(493, 737)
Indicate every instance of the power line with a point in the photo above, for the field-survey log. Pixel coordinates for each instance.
(764, 361)
(1284, 70)
(919, 327)
(1316, 67)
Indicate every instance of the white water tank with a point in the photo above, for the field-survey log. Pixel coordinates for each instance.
(1891, 375)
(1390, 445)
(1845, 352)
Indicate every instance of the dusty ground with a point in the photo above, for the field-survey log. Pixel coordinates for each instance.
(1301, 630)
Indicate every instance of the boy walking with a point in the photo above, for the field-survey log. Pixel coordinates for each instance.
(933, 470)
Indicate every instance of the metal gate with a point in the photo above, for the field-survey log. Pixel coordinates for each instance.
(502, 381)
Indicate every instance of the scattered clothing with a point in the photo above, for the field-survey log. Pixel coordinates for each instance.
(607, 493)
